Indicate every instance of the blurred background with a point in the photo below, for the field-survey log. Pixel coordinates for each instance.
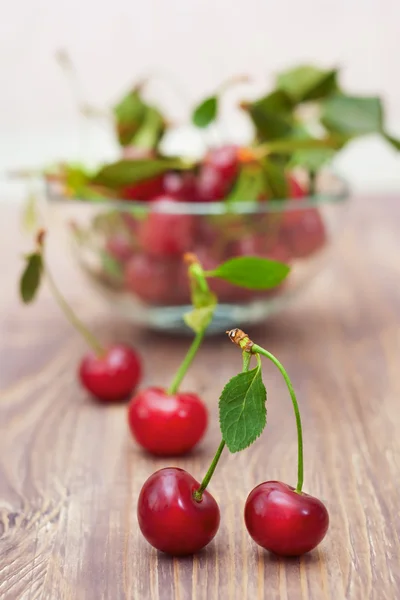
(197, 45)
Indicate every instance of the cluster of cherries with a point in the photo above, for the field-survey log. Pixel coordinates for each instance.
(150, 251)
(176, 514)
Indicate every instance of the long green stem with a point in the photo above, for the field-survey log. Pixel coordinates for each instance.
(198, 494)
(300, 469)
(71, 316)
(191, 353)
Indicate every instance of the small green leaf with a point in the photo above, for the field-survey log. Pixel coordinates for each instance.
(307, 83)
(199, 319)
(352, 115)
(393, 141)
(250, 184)
(31, 277)
(312, 159)
(129, 114)
(125, 172)
(77, 180)
(242, 410)
(275, 179)
(272, 116)
(206, 112)
(150, 131)
(251, 272)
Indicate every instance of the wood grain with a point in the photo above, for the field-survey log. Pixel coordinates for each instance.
(70, 475)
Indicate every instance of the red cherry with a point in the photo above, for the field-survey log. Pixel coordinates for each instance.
(163, 234)
(303, 232)
(279, 252)
(143, 190)
(211, 185)
(130, 223)
(151, 279)
(283, 521)
(295, 189)
(170, 518)
(250, 245)
(180, 186)
(167, 425)
(225, 161)
(264, 246)
(111, 377)
(120, 247)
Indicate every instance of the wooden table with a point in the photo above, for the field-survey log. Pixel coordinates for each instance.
(70, 474)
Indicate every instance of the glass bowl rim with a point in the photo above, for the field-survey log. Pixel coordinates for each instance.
(208, 208)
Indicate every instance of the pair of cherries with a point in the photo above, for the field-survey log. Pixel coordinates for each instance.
(279, 519)
(163, 424)
(216, 176)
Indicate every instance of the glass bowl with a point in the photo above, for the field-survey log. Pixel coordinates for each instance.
(132, 252)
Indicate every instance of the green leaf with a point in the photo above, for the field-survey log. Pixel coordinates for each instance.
(352, 115)
(393, 141)
(249, 185)
(275, 179)
(76, 180)
(150, 131)
(31, 277)
(307, 83)
(312, 159)
(125, 172)
(251, 272)
(200, 318)
(242, 410)
(272, 115)
(206, 112)
(129, 114)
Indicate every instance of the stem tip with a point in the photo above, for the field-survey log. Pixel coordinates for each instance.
(241, 339)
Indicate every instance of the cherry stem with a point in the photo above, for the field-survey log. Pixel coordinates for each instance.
(285, 146)
(71, 316)
(187, 361)
(255, 349)
(232, 81)
(198, 494)
(196, 272)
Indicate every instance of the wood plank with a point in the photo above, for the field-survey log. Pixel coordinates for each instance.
(70, 474)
